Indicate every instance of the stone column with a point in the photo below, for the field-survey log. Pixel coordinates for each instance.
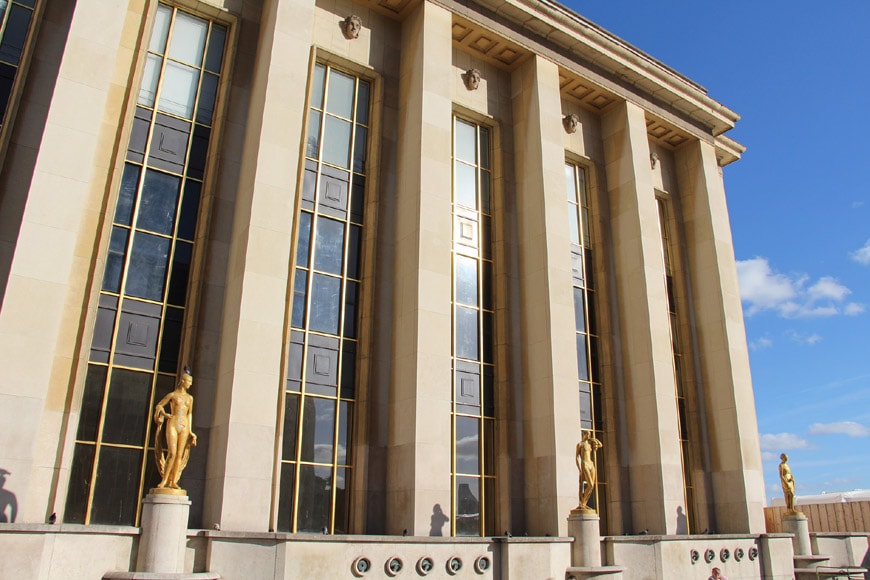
(797, 525)
(552, 408)
(249, 382)
(654, 464)
(54, 181)
(738, 485)
(419, 454)
(164, 533)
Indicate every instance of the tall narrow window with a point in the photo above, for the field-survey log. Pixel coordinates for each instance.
(16, 17)
(473, 455)
(585, 323)
(685, 447)
(321, 379)
(144, 292)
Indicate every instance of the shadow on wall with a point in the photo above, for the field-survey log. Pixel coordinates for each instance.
(7, 500)
(438, 520)
(682, 521)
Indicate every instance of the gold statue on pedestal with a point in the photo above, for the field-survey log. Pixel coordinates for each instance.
(787, 480)
(172, 449)
(584, 455)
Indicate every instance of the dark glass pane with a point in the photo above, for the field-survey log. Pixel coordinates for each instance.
(15, 34)
(357, 199)
(171, 340)
(215, 51)
(317, 86)
(304, 244)
(115, 259)
(189, 210)
(309, 182)
(353, 252)
(312, 144)
(362, 103)
(488, 392)
(207, 96)
(7, 78)
(348, 369)
(597, 414)
(315, 498)
(593, 358)
(127, 195)
(467, 506)
(351, 299)
(285, 499)
(345, 422)
(579, 311)
(466, 333)
(325, 304)
(590, 311)
(318, 429)
(466, 280)
(329, 246)
(79, 484)
(467, 445)
(488, 338)
(359, 149)
(147, 274)
(339, 100)
(487, 285)
(484, 148)
(104, 328)
(466, 185)
(116, 489)
(590, 269)
(127, 407)
(485, 192)
(489, 502)
(489, 447)
(336, 141)
(159, 198)
(585, 407)
(92, 403)
(164, 385)
(198, 152)
(299, 290)
(486, 237)
(180, 273)
(582, 358)
(342, 497)
(291, 425)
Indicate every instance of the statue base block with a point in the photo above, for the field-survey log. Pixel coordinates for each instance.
(584, 528)
(797, 525)
(164, 533)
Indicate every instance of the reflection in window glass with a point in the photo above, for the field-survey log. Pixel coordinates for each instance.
(339, 101)
(329, 245)
(188, 39)
(178, 90)
(336, 142)
(325, 303)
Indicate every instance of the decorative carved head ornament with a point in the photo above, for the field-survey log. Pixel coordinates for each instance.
(571, 122)
(471, 78)
(351, 27)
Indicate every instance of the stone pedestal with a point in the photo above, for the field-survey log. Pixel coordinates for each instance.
(586, 550)
(796, 524)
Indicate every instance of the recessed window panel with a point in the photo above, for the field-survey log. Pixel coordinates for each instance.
(180, 273)
(329, 246)
(488, 338)
(467, 445)
(189, 210)
(304, 241)
(489, 446)
(291, 422)
(466, 142)
(127, 195)
(325, 304)
(7, 78)
(215, 48)
(487, 285)
(127, 407)
(171, 340)
(570, 188)
(348, 369)
(466, 333)
(362, 103)
(359, 149)
(353, 252)
(351, 301)
(150, 76)
(593, 321)
(467, 506)
(336, 141)
(315, 486)
(161, 29)
(312, 142)
(198, 152)
(207, 96)
(116, 491)
(285, 499)
(485, 192)
(466, 185)
(299, 294)
(484, 148)
(92, 403)
(466, 281)
(188, 39)
(345, 414)
(339, 100)
(357, 200)
(579, 310)
(585, 406)
(318, 430)
(573, 224)
(115, 259)
(178, 90)
(317, 86)
(146, 276)
(159, 199)
(15, 34)
(582, 358)
(81, 472)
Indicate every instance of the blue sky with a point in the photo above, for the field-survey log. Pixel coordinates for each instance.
(799, 201)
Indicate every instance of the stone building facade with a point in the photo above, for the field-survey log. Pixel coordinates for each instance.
(411, 250)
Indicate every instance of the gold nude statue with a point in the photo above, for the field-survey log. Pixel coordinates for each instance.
(584, 455)
(787, 480)
(172, 450)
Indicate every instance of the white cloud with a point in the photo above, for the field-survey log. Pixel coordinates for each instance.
(761, 288)
(783, 441)
(808, 339)
(850, 428)
(862, 255)
(760, 343)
